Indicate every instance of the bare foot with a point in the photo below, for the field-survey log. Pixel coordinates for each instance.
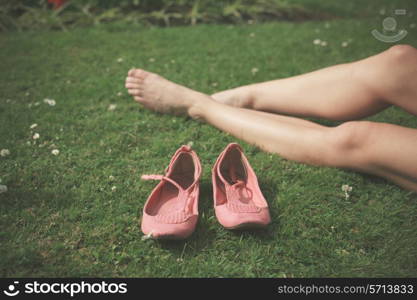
(159, 94)
(238, 97)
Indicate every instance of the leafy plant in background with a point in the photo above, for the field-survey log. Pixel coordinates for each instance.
(25, 14)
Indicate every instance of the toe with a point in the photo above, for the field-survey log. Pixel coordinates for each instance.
(134, 92)
(131, 85)
(138, 98)
(133, 80)
(139, 73)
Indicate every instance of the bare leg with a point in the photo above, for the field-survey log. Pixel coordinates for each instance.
(343, 92)
(381, 149)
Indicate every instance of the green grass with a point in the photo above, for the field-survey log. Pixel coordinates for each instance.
(60, 216)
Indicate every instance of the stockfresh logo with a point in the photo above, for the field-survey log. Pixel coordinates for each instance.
(11, 290)
(71, 289)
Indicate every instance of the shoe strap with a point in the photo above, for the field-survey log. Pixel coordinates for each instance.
(234, 193)
(189, 194)
(161, 177)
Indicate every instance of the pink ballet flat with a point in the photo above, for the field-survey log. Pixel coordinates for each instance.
(171, 211)
(238, 200)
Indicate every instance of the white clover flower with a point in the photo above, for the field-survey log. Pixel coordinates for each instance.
(254, 71)
(152, 59)
(27, 94)
(111, 178)
(120, 60)
(190, 144)
(3, 189)
(119, 94)
(323, 43)
(50, 102)
(55, 152)
(347, 189)
(36, 136)
(147, 236)
(113, 188)
(252, 34)
(37, 103)
(34, 125)
(4, 152)
(214, 84)
(112, 107)
(317, 42)
(172, 61)
(345, 44)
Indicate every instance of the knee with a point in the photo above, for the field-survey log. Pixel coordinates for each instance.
(348, 143)
(402, 53)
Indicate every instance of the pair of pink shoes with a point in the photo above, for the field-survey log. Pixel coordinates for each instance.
(171, 211)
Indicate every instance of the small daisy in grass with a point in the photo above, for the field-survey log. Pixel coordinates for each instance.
(147, 236)
(3, 188)
(120, 60)
(50, 102)
(55, 152)
(34, 125)
(254, 71)
(112, 107)
(4, 152)
(347, 189)
(36, 136)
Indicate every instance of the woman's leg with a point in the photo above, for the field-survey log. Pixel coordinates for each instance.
(342, 92)
(386, 150)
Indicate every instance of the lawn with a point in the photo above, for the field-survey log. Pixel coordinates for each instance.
(77, 213)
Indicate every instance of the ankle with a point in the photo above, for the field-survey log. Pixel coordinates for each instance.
(198, 107)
